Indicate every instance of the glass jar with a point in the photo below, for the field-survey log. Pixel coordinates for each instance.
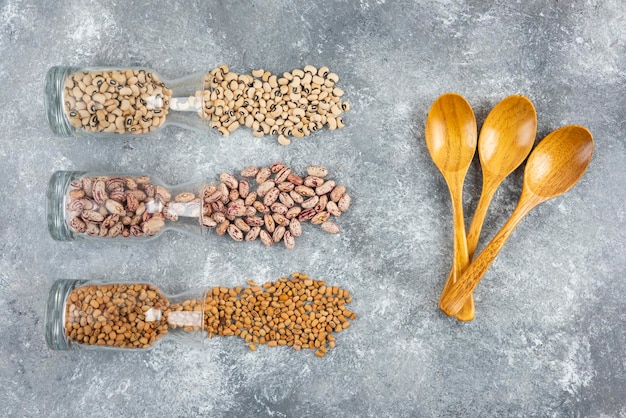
(112, 101)
(122, 206)
(269, 203)
(122, 316)
(297, 312)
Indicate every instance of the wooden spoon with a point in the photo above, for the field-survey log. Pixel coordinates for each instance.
(451, 141)
(505, 140)
(556, 164)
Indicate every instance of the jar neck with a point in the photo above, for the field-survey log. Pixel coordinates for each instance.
(56, 197)
(188, 100)
(54, 321)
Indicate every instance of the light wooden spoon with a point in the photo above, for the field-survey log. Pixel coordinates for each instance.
(451, 141)
(505, 140)
(555, 166)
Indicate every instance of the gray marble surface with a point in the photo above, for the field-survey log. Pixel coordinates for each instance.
(549, 335)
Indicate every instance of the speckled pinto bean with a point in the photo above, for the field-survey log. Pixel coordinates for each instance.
(122, 207)
(278, 205)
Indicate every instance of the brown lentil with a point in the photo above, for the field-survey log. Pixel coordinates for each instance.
(290, 312)
(116, 315)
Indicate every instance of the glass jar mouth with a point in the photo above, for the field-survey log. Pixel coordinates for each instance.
(54, 319)
(56, 197)
(54, 103)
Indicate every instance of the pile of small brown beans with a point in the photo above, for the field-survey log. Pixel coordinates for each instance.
(295, 105)
(276, 208)
(116, 315)
(109, 206)
(116, 101)
(296, 312)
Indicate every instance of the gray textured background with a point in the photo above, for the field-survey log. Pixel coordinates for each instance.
(549, 335)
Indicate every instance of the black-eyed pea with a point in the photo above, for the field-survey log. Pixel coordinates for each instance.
(323, 71)
(317, 81)
(223, 131)
(119, 77)
(332, 77)
(99, 98)
(104, 87)
(90, 90)
(337, 92)
(332, 123)
(76, 122)
(77, 92)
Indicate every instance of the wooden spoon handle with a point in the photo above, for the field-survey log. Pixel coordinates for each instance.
(468, 311)
(461, 259)
(453, 300)
(473, 233)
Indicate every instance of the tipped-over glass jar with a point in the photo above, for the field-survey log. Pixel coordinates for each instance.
(89, 314)
(112, 101)
(268, 203)
(297, 312)
(122, 206)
